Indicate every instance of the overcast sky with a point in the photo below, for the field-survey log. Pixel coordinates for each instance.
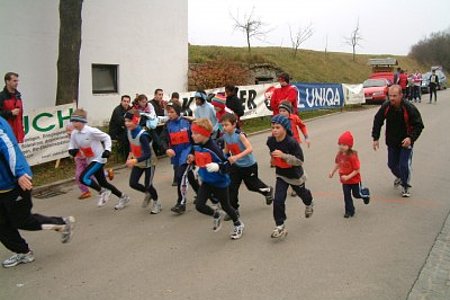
(387, 26)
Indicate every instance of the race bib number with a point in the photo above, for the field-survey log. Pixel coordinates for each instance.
(87, 152)
(234, 148)
(177, 138)
(202, 159)
(136, 150)
(280, 163)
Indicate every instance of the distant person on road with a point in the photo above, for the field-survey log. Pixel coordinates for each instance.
(285, 92)
(11, 105)
(417, 81)
(15, 202)
(287, 156)
(403, 81)
(403, 127)
(117, 129)
(396, 76)
(347, 162)
(434, 84)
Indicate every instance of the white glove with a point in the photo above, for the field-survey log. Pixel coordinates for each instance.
(212, 167)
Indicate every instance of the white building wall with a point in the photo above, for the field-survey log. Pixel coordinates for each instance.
(29, 31)
(146, 38)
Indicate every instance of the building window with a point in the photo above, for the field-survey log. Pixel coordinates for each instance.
(104, 79)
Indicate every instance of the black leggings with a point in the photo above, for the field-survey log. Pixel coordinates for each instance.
(279, 206)
(251, 180)
(96, 169)
(15, 213)
(433, 91)
(136, 174)
(221, 194)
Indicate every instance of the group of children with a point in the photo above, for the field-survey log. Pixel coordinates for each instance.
(214, 170)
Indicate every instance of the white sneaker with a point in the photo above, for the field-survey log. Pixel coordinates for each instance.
(237, 232)
(218, 222)
(18, 258)
(309, 210)
(104, 197)
(67, 232)
(123, 201)
(146, 201)
(156, 207)
(279, 232)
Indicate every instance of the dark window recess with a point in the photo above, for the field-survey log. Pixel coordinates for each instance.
(104, 79)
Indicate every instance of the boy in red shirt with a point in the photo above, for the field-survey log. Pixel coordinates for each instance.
(347, 162)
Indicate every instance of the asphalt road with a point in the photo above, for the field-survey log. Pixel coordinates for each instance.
(131, 254)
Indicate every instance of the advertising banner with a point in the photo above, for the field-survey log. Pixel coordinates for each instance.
(320, 95)
(45, 134)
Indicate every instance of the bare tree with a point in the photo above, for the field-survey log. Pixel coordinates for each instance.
(251, 26)
(301, 36)
(354, 39)
(68, 66)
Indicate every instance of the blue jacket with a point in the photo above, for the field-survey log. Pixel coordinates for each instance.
(177, 136)
(12, 161)
(211, 152)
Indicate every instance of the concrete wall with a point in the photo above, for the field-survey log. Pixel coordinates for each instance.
(146, 38)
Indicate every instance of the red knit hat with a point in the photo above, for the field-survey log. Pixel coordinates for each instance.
(346, 139)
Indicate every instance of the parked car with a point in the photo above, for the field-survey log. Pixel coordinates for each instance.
(426, 81)
(389, 76)
(376, 90)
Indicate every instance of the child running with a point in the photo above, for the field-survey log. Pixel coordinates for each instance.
(141, 160)
(347, 162)
(213, 167)
(243, 164)
(95, 145)
(81, 164)
(286, 110)
(177, 144)
(287, 156)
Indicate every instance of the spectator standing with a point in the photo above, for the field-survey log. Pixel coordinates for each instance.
(434, 84)
(417, 81)
(233, 102)
(117, 129)
(285, 92)
(11, 105)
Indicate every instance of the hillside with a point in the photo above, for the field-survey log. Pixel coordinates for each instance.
(308, 66)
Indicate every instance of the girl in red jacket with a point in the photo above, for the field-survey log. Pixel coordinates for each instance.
(347, 162)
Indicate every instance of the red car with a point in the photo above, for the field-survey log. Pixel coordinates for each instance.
(389, 76)
(376, 90)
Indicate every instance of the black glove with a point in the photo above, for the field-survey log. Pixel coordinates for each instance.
(106, 154)
(73, 152)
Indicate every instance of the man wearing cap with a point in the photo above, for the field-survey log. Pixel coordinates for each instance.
(11, 106)
(204, 108)
(285, 92)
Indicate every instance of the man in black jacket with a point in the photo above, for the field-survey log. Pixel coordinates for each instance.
(117, 129)
(403, 127)
(233, 102)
